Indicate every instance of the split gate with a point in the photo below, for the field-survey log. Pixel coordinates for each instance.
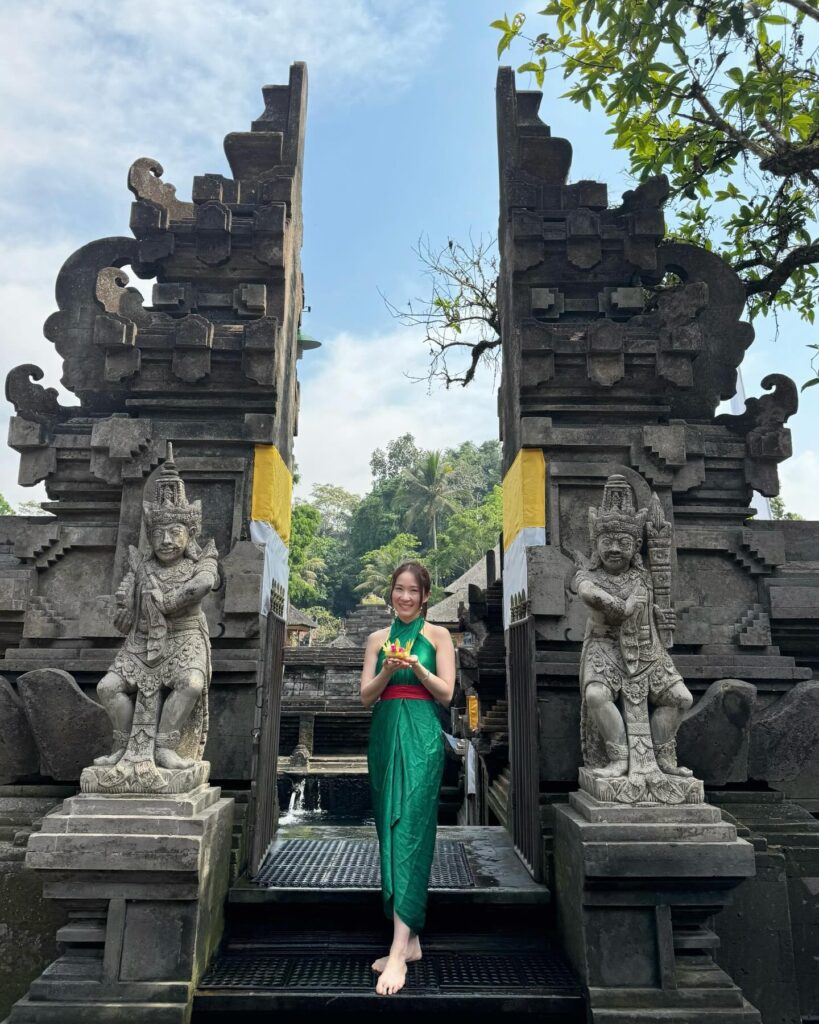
(263, 806)
(523, 740)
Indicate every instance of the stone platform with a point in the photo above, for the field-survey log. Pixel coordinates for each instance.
(144, 880)
(637, 888)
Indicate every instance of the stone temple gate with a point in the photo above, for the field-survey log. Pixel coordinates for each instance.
(650, 893)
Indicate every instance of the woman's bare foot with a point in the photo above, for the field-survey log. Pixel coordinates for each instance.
(392, 978)
(413, 953)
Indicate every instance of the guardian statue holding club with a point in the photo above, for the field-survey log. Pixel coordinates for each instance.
(633, 698)
(156, 690)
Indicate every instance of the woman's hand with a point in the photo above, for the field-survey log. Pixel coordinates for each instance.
(417, 668)
(392, 665)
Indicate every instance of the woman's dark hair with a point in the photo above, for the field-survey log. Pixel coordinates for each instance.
(421, 575)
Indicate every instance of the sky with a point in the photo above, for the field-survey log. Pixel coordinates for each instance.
(400, 145)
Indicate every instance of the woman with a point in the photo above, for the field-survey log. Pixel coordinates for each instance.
(405, 759)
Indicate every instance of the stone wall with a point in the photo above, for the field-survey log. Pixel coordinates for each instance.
(28, 923)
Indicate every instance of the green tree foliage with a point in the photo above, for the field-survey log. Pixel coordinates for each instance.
(429, 490)
(344, 547)
(720, 95)
(307, 562)
(25, 508)
(779, 512)
(336, 505)
(476, 468)
(329, 625)
(374, 521)
(398, 455)
(31, 508)
(469, 534)
(378, 565)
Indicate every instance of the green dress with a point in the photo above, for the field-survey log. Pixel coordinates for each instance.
(405, 759)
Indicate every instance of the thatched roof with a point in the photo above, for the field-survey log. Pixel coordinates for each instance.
(445, 612)
(296, 617)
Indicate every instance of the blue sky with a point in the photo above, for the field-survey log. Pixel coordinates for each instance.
(400, 143)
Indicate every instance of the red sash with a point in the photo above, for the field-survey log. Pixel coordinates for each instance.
(409, 691)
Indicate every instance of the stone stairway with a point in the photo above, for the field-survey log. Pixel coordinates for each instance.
(301, 939)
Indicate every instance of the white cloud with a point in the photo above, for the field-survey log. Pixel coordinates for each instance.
(799, 479)
(87, 86)
(357, 398)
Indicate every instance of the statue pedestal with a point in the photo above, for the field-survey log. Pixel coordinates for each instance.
(144, 879)
(636, 888)
(173, 780)
(629, 789)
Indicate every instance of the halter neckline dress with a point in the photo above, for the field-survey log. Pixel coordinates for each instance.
(405, 758)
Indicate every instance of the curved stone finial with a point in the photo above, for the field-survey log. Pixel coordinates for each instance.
(767, 439)
(32, 401)
(112, 291)
(767, 411)
(145, 181)
(111, 284)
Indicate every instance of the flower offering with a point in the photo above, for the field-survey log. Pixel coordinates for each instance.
(394, 649)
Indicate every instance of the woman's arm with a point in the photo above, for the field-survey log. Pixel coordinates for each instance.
(441, 683)
(372, 686)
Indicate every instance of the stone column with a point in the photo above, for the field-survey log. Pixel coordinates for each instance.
(144, 879)
(303, 750)
(636, 889)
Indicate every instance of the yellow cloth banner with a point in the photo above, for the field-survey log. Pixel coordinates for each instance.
(524, 494)
(272, 496)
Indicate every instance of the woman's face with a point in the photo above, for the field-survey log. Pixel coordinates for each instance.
(407, 596)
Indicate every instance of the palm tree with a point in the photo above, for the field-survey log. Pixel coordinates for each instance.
(377, 566)
(429, 489)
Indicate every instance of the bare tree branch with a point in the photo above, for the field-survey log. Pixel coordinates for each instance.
(805, 8)
(460, 317)
(801, 256)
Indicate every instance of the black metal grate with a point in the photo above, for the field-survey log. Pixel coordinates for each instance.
(353, 863)
(437, 972)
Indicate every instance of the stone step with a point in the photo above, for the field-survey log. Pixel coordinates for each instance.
(679, 1015)
(332, 984)
(339, 864)
(9, 852)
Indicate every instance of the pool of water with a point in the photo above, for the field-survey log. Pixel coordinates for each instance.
(325, 800)
(321, 817)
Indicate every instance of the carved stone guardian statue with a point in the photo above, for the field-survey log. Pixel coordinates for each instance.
(629, 751)
(156, 690)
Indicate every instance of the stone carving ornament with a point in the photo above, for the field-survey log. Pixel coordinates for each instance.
(156, 690)
(633, 698)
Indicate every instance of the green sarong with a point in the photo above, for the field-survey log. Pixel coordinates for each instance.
(405, 758)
